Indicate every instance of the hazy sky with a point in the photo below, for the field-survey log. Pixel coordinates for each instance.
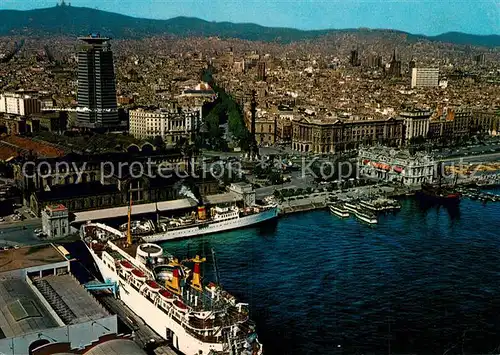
(416, 16)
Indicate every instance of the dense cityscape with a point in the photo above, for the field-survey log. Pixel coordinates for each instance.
(131, 166)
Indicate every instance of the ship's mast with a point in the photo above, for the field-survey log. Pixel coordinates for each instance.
(129, 234)
(216, 269)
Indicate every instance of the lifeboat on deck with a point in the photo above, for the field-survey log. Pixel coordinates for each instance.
(152, 285)
(167, 295)
(180, 306)
(126, 265)
(139, 275)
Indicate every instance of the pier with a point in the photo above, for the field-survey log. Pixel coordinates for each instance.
(318, 201)
(143, 334)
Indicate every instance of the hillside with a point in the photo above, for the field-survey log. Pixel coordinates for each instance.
(75, 21)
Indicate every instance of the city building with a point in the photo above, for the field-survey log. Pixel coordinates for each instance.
(91, 182)
(171, 124)
(14, 124)
(261, 71)
(480, 59)
(412, 64)
(394, 165)
(55, 221)
(329, 135)
(416, 123)
(354, 59)
(19, 104)
(462, 121)
(53, 121)
(486, 121)
(97, 106)
(284, 127)
(201, 90)
(374, 61)
(239, 66)
(265, 126)
(424, 77)
(394, 65)
(45, 310)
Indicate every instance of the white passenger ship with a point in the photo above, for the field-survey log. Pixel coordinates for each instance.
(196, 317)
(221, 219)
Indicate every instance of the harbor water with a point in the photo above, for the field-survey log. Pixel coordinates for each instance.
(425, 280)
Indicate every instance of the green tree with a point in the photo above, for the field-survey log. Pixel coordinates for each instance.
(158, 142)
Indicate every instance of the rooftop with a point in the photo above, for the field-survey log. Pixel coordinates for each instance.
(21, 310)
(116, 347)
(136, 209)
(69, 299)
(228, 197)
(69, 191)
(56, 208)
(25, 257)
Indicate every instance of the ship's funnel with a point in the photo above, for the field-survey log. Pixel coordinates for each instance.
(196, 282)
(173, 284)
(202, 214)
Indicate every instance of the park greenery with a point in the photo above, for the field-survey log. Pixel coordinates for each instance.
(224, 111)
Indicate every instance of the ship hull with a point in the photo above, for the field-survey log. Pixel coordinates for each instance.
(430, 197)
(156, 319)
(214, 227)
(365, 219)
(339, 213)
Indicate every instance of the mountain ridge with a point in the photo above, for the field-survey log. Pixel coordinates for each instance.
(75, 21)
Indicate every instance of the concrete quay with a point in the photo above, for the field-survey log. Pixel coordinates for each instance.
(143, 335)
(317, 201)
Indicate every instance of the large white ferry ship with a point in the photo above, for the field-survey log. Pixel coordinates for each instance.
(196, 317)
(220, 219)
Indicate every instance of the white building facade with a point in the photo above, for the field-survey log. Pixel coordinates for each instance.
(19, 104)
(388, 164)
(55, 221)
(416, 123)
(424, 77)
(171, 124)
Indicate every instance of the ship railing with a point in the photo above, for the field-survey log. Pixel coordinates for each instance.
(204, 338)
(204, 324)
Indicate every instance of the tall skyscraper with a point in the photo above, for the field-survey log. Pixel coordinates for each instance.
(97, 108)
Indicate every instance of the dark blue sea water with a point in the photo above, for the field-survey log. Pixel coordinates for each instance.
(423, 281)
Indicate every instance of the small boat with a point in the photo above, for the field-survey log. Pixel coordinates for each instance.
(366, 216)
(351, 207)
(338, 210)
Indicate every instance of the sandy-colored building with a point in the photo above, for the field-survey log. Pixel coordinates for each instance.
(329, 135)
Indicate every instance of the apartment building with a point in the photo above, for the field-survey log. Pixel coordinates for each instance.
(19, 104)
(424, 77)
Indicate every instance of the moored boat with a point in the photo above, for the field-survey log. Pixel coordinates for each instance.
(366, 216)
(339, 210)
(350, 207)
